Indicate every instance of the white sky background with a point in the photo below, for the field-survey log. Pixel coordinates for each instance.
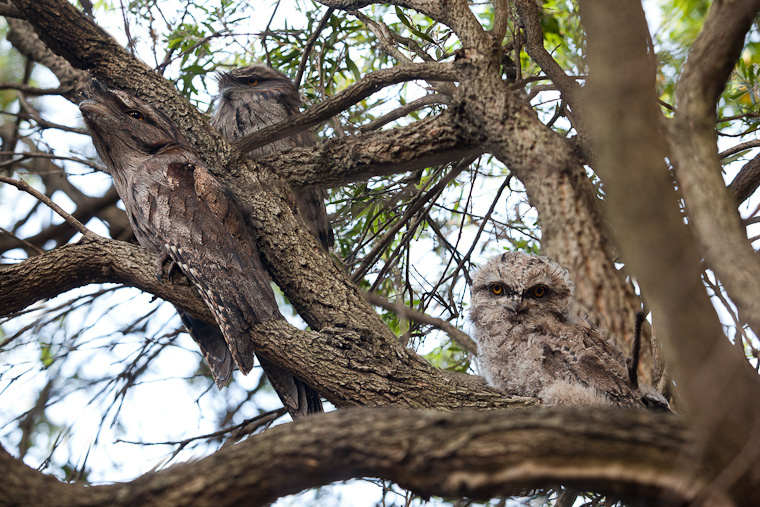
(157, 410)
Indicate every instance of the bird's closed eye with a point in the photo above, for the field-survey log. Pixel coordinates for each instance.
(539, 291)
(134, 113)
(497, 289)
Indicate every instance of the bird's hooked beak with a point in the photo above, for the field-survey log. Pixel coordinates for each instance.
(515, 304)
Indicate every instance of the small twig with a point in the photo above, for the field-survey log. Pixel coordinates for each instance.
(27, 154)
(486, 218)
(25, 187)
(27, 244)
(169, 58)
(403, 311)
(258, 421)
(433, 193)
(130, 41)
(310, 45)
(266, 32)
(33, 90)
(633, 363)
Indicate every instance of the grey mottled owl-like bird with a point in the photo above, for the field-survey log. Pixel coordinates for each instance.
(254, 97)
(530, 345)
(178, 209)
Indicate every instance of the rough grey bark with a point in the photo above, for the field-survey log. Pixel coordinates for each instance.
(347, 367)
(632, 455)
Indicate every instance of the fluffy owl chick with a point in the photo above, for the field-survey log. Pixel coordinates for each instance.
(530, 345)
(254, 97)
(177, 209)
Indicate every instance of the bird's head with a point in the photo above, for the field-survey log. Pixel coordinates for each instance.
(126, 130)
(256, 80)
(516, 284)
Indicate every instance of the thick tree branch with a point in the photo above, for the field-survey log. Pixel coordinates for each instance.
(719, 393)
(337, 162)
(97, 261)
(358, 91)
(636, 456)
(711, 208)
(347, 367)
(746, 181)
(86, 46)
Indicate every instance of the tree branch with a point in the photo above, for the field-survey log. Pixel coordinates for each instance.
(358, 91)
(712, 210)
(348, 367)
(746, 181)
(632, 455)
(425, 143)
(455, 14)
(718, 392)
(410, 107)
(403, 311)
(529, 13)
(73, 222)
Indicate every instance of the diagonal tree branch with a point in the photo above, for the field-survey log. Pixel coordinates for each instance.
(529, 13)
(746, 181)
(341, 363)
(366, 86)
(711, 208)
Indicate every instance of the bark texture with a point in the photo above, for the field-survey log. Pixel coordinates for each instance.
(633, 455)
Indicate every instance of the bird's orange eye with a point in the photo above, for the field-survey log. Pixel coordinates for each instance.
(538, 291)
(137, 115)
(252, 81)
(497, 289)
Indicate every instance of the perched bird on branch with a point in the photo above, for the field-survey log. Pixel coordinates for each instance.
(530, 345)
(179, 210)
(254, 97)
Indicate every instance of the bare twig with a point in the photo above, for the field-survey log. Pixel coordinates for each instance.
(633, 364)
(33, 90)
(25, 187)
(310, 45)
(403, 311)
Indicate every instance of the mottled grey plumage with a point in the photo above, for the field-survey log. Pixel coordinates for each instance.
(254, 97)
(530, 345)
(178, 209)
